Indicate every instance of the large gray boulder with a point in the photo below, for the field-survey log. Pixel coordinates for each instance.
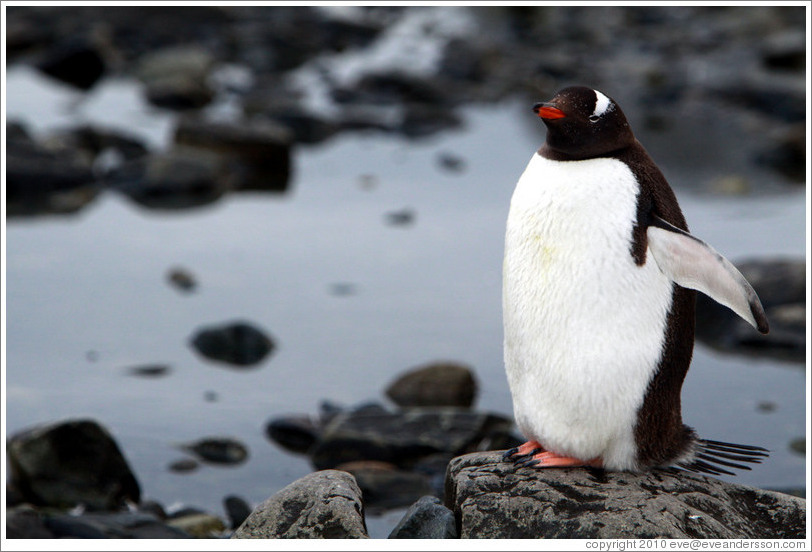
(321, 505)
(494, 499)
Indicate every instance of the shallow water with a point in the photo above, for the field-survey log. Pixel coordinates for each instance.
(87, 296)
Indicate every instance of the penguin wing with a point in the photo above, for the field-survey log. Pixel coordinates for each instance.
(693, 264)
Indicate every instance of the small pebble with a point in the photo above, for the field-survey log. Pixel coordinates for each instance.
(184, 465)
(182, 279)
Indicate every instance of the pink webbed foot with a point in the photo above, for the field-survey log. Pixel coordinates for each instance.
(553, 460)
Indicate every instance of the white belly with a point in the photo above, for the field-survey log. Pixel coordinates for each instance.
(583, 323)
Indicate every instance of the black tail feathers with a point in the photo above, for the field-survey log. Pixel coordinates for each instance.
(712, 457)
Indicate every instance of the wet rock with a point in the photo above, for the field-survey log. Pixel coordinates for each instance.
(24, 522)
(219, 450)
(402, 438)
(176, 77)
(785, 51)
(234, 343)
(438, 384)
(149, 370)
(153, 508)
(421, 120)
(179, 93)
(176, 179)
(39, 180)
(257, 153)
(71, 463)
(403, 217)
(798, 446)
(237, 510)
(184, 465)
(342, 289)
(781, 286)
(386, 487)
(293, 433)
(426, 519)
(112, 525)
(78, 63)
(325, 504)
(94, 140)
(451, 162)
(392, 87)
(787, 153)
(182, 279)
(494, 499)
(200, 526)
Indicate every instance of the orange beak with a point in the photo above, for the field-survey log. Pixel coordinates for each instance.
(547, 111)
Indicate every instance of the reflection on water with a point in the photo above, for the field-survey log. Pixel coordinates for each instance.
(88, 299)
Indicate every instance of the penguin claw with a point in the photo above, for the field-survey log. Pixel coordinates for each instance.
(509, 453)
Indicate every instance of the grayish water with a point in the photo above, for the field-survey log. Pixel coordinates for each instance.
(429, 291)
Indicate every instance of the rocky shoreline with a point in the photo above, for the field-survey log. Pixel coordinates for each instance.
(65, 491)
(434, 455)
(293, 76)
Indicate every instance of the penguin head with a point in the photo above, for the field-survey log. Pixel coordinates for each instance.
(583, 123)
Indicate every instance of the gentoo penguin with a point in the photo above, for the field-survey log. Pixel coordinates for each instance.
(598, 301)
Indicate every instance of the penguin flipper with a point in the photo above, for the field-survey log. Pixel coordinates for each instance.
(693, 264)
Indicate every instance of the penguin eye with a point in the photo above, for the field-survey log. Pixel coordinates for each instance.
(594, 118)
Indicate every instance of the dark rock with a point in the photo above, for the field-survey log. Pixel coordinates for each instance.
(384, 486)
(182, 279)
(200, 526)
(762, 92)
(275, 100)
(179, 93)
(219, 450)
(184, 465)
(342, 289)
(785, 51)
(403, 217)
(24, 522)
(256, 153)
(39, 180)
(234, 343)
(798, 446)
(437, 384)
(426, 519)
(237, 510)
(294, 433)
(494, 499)
(402, 438)
(324, 504)
(185, 511)
(329, 410)
(176, 77)
(177, 179)
(787, 154)
(70, 463)
(434, 467)
(421, 120)
(451, 162)
(781, 286)
(93, 140)
(78, 63)
(394, 87)
(152, 507)
(112, 525)
(150, 370)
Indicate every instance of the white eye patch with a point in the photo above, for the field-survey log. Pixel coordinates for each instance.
(602, 104)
